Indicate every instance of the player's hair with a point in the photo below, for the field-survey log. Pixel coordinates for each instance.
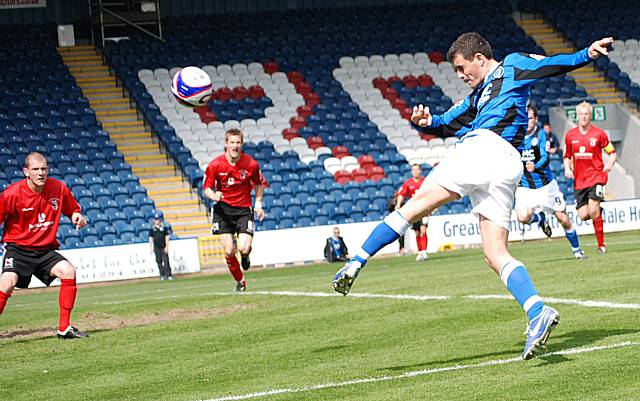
(233, 132)
(33, 155)
(467, 45)
(584, 105)
(416, 164)
(534, 109)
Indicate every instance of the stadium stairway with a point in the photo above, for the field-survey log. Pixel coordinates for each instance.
(553, 42)
(157, 173)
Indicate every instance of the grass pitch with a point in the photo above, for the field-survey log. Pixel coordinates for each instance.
(192, 339)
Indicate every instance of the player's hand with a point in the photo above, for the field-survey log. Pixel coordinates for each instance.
(607, 168)
(421, 116)
(260, 213)
(599, 47)
(530, 167)
(78, 220)
(568, 173)
(217, 196)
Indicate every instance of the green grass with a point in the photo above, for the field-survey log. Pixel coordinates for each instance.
(219, 345)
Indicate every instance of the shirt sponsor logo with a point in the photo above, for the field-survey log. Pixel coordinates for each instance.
(27, 209)
(486, 94)
(42, 223)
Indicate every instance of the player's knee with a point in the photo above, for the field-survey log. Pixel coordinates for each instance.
(245, 249)
(584, 214)
(8, 282)
(64, 270)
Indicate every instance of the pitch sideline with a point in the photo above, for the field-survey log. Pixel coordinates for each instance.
(424, 372)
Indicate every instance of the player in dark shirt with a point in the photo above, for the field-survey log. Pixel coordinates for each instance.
(159, 234)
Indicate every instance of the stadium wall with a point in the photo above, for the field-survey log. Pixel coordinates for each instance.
(461, 230)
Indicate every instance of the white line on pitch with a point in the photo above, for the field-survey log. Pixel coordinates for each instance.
(570, 351)
(411, 297)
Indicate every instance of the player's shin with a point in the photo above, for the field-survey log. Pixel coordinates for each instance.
(599, 230)
(234, 268)
(572, 237)
(66, 300)
(4, 297)
(515, 276)
(389, 230)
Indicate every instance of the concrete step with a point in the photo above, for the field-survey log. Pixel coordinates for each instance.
(135, 141)
(155, 172)
(149, 164)
(175, 212)
(159, 180)
(183, 221)
(124, 125)
(72, 58)
(178, 203)
(104, 107)
(109, 102)
(126, 130)
(179, 226)
(157, 157)
(113, 118)
(189, 216)
(139, 149)
(195, 234)
(170, 191)
(91, 68)
(117, 113)
(91, 74)
(179, 196)
(168, 185)
(96, 80)
(71, 49)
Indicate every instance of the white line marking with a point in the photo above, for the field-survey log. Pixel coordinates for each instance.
(361, 295)
(570, 351)
(585, 303)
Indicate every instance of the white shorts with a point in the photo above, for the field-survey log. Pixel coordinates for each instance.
(488, 169)
(548, 199)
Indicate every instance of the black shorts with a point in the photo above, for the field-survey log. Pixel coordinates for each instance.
(29, 262)
(424, 221)
(227, 219)
(583, 195)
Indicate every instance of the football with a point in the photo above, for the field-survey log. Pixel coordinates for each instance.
(191, 86)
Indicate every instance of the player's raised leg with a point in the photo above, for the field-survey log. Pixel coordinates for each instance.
(542, 319)
(430, 196)
(66, 272)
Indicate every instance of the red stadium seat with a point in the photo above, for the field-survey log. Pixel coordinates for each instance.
(376, 173)
(393, 79)
(295, 77)
(425, 80)
(270, 67)
(380, 83)
(399, 104)
(256, 92)
(241, 93)
(305, 111)
(390, 94)
(289, 133)
(298, 122)
(340, 151)
(366, 161)
(312, 99)
(410, 81)
(315, 142)
(342, 177)
(224, 94)
(436, 57)
(359, 175)
(406, 113)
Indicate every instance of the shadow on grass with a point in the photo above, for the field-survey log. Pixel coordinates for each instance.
(574, 339)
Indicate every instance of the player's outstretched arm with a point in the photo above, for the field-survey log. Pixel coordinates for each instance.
(78, 220)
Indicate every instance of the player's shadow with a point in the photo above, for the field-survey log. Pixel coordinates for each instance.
(564, 341)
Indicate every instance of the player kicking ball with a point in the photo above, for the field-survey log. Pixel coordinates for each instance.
(485, 164)
(30, 210)
(229, 179)
(538, 192)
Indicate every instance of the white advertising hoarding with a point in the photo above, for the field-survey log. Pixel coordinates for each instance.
(10, 4)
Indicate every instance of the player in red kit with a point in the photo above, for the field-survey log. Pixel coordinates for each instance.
(30, 210)
(229, 179)
(583, 162)
(408, 188)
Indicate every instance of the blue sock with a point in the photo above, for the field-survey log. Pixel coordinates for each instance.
(572, 236)
(389, 230)
(516, 278)
(535, 217)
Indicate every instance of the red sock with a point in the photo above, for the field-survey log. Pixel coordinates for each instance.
(234, 267)
(4, 297)
(426, 241)
(66, 299)
(597, 226)
(422, 242)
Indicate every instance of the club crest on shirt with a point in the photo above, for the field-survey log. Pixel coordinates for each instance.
(498, 73)
(534, 142)
(55, 203)
(592, 142)
(243, 174)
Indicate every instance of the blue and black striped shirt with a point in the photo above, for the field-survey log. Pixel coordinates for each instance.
(536, 149)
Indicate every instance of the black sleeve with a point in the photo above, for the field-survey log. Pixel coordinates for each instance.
(344, 246)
